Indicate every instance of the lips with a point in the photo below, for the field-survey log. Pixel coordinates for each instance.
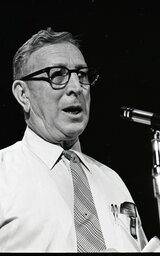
(73, 109)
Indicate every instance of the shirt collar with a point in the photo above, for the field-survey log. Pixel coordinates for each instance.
(83, 159)
(47, 152)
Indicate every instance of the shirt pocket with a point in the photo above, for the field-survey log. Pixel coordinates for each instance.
(127, 231)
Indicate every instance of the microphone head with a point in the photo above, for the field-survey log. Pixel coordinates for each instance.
(125, 112)
(140, 116)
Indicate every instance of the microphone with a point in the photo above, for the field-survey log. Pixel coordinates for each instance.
(140, 116)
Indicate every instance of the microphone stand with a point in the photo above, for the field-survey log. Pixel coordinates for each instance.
(155, 141)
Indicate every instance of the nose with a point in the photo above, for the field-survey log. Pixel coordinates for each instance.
(74, 86)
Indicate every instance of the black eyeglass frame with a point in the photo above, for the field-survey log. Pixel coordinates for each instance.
(48, 79)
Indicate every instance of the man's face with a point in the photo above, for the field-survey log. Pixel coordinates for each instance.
(58, 115)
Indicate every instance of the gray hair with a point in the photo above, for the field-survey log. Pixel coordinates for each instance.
(43, 37)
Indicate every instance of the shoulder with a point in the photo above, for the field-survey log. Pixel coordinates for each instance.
(10, 150)
(97, 164)
(9, 155)
(107, 172)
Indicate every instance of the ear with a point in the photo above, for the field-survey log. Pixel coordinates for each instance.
(21, 93)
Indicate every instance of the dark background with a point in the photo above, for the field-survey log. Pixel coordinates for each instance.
(122, 38)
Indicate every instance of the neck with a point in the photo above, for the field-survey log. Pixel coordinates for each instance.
(65, 144)
(68, 143)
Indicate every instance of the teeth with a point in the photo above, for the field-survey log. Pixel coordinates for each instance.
(73, 112)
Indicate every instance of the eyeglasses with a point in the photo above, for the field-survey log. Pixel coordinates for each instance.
(58, 77)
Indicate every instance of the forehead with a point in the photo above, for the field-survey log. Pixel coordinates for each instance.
(57, 54)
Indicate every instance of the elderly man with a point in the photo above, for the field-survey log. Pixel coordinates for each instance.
(54, 198)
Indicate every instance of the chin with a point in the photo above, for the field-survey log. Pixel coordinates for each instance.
(74, 132)
(74, 129)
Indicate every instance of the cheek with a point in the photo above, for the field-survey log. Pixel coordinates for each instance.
(49, 108)
(44, 103)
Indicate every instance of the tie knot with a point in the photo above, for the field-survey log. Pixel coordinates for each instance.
(71, 155)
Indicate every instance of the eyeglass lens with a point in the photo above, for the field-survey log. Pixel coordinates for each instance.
(60, 75)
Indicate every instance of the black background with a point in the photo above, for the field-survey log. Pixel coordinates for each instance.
(122, 38)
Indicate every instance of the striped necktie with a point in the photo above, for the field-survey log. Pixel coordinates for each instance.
(88, 230)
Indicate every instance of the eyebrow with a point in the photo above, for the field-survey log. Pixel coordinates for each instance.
(81, 66)
(78, 66)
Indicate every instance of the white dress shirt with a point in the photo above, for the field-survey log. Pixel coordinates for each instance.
(36, 200)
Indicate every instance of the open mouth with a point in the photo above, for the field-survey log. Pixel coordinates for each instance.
(73, 110)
